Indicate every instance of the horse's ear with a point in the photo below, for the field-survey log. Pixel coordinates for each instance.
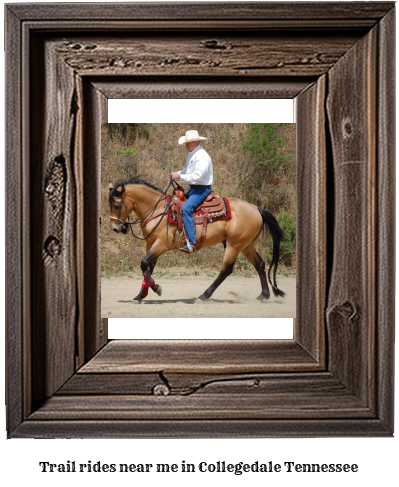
(111, 186)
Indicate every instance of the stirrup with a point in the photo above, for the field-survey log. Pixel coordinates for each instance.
(187, 249)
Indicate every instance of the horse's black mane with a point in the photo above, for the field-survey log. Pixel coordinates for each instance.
(119, 187)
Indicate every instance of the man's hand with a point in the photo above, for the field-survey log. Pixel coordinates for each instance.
(174, 175)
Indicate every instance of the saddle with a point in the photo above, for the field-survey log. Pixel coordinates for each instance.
(212, 204)
(212, 209)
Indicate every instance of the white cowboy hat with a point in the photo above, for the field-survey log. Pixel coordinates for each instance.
(190, 136)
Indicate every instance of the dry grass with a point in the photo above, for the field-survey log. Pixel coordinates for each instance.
(153, 157)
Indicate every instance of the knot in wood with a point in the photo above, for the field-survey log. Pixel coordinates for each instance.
(50, 189)
(349, 310)
(54, 185)
(90, 47)
(52, 246)
(161, 390)
(347, 128)
(213, 44)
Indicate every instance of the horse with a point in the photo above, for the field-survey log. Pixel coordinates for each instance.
(238, 234)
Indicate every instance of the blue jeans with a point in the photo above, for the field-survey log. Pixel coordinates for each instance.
(195, 196)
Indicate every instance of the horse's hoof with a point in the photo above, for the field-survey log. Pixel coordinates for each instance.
(137, 301)
(262, 298)
(157, 289)
(203, 297)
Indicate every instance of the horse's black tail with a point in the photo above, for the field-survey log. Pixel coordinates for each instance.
(270, 222)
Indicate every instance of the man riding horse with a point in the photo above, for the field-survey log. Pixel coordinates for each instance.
(198, 173)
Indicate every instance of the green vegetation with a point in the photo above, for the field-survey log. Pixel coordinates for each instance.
(127, 133)
(268, 176)
(263, 143)
(288, 244)
(255, 162)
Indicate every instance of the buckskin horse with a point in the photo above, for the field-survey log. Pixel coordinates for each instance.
(238, 230)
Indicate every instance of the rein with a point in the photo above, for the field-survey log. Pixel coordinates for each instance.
(150, 214)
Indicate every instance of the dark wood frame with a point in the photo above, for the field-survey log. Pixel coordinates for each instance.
(64, 379)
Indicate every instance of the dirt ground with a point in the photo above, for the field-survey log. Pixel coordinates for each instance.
(235, 298)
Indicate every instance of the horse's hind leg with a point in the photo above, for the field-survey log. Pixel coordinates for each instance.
(147, 266)
(229, 259)
(256, 260)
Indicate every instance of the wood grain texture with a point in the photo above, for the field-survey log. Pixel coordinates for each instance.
(200, 356)
(95, 329)
(217, 55)
(359, 14)
(385, 224)
(319, 384)
(351, 307)
(255, 397)
(203, 407)
(312, 218)
(191, 428)
(15, 257)
(135, 87)
(185, 384)
(53, 231)
(112, 384)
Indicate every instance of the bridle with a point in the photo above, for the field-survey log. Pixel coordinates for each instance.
(139, 221)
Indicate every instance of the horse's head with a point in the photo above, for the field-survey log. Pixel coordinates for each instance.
(119, 208)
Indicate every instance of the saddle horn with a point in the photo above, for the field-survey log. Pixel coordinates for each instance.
(110, 186)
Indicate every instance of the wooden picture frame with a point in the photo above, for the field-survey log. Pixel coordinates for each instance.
(64, 379)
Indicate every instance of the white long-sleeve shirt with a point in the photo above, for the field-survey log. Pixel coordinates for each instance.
(198, 170)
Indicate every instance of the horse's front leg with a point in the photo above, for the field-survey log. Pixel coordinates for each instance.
(147, 267)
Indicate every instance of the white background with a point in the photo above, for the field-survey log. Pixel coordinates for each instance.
(376, 457)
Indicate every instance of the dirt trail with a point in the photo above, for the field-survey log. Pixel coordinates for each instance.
(235, 298)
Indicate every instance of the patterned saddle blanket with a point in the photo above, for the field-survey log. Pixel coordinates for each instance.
(214, 208)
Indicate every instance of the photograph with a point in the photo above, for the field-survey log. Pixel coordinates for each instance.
(198, 222)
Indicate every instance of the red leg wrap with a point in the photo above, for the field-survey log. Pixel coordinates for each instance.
(148, 280)
(147, 283)
(143, 291)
